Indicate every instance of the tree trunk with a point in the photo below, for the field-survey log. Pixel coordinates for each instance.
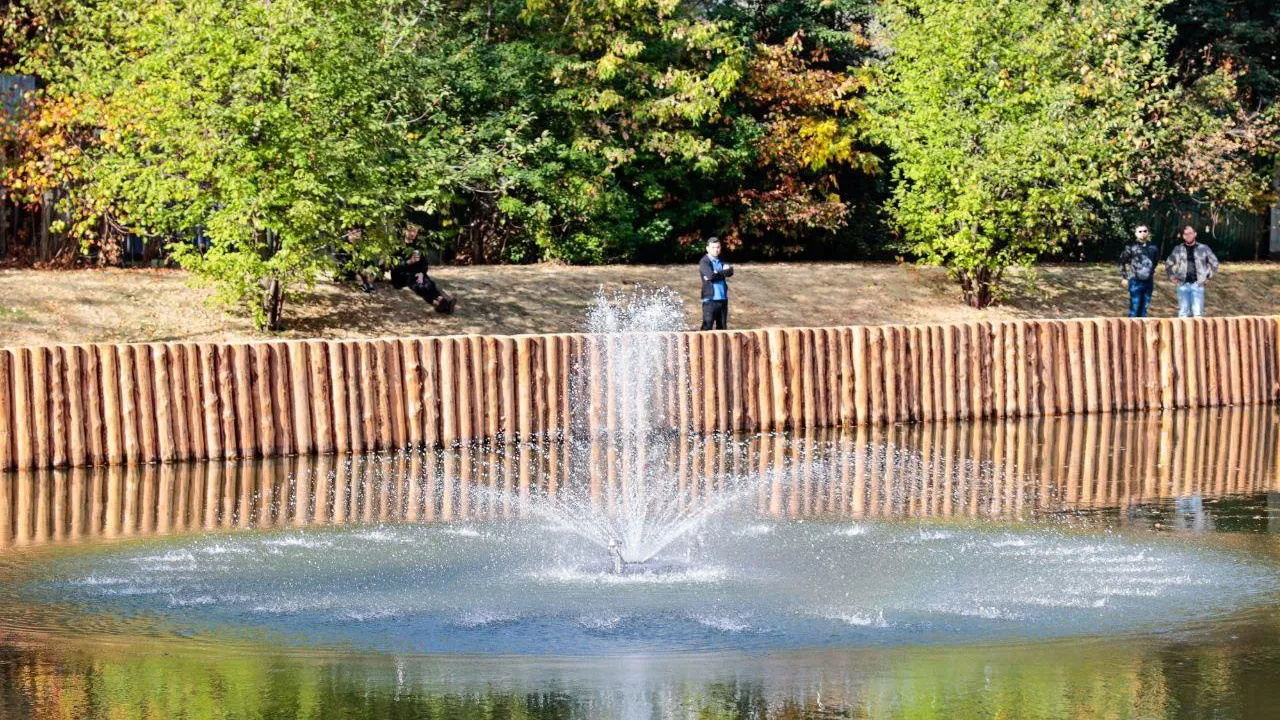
(978, 286)
(272, 303)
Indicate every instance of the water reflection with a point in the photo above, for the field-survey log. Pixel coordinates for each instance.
(1005, 470)
(1210, 474)
(1137, 680)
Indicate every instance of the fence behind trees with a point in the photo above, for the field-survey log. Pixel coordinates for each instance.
(75, 405)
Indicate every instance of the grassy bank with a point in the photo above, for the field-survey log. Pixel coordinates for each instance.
(149, 305)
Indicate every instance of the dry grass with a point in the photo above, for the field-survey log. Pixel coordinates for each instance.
(138, 305)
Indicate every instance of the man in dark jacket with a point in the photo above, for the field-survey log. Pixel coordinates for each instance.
(413, 275)
(1138, 267)
(1190, 265)
(715, 291)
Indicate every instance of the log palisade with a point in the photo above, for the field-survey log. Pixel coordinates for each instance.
(136, 404)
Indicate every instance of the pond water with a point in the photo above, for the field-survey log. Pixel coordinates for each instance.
(1110, 566)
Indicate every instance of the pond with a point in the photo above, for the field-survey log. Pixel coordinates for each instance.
(1120, 565)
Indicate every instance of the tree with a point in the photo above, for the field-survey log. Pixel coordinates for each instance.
(273, 126)
(1006, 118)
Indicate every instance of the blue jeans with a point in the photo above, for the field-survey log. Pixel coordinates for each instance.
(1190, 300)
(1140, 296)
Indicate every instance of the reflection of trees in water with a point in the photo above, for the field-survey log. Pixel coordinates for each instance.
(1136, 679)
(1001, 469)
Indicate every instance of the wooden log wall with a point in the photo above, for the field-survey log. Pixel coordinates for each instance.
(81, 405)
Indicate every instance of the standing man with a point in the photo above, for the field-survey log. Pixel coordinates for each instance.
(1190, 265)
(715, 291)
(1138, 266)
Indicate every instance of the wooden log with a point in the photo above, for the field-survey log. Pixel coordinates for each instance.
(384, 423)
(890, 372)
(492, 389)
(59, 439)
(129, 403)
(1248, 368)
(95, 419)
(1062, 365)
(147, 422)
(180, 423)
(949, 387)
(697, 385)
(1234, 369)
(1151, 367)
(538, 390)
(1191, 362)
(1046, 381)
(245, 421)
(1166, 369)
(74, 386)
(1000, 371)
(818, 378)
(1115, 361)
(412, 391)
(1106, 391)
(1136, 363)
(1089, 350)
(300, 397)
(551, 384)
(720, 372)
(1178, 352)
(210, 425)
(793, 342)
(282, 399)
(192, 397)
(1028, 370)
(938, 371)
(477, 387)
(336, 381)
(1075, 368)
(963, 363)
(227, 403)
(765, 413)
(429, 354)
(738, 387)
(524, 388)
(24, 448)
(166, 443)
(1261, 362)
(394, 373)
(861, 358)
(507, 378)
(264, 408)
(928, 375)
(322, 411)
(448, 396)
(352, 398)
(39, 403)
(875, 378)
(979, 369)
(1012, 334)
(808, 377)
(8, 453)
(848, 402)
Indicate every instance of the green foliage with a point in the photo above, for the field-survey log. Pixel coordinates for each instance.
(532, 130)
(272, 126)
(1007, 118)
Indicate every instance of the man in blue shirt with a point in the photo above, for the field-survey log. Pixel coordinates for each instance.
(715, 291)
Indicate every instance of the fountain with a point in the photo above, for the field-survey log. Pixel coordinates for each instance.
(650, 511)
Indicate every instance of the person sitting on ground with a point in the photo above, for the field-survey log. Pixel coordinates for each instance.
(1138, 268)
(1190, 265)
(715, 291)
(413, 275)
